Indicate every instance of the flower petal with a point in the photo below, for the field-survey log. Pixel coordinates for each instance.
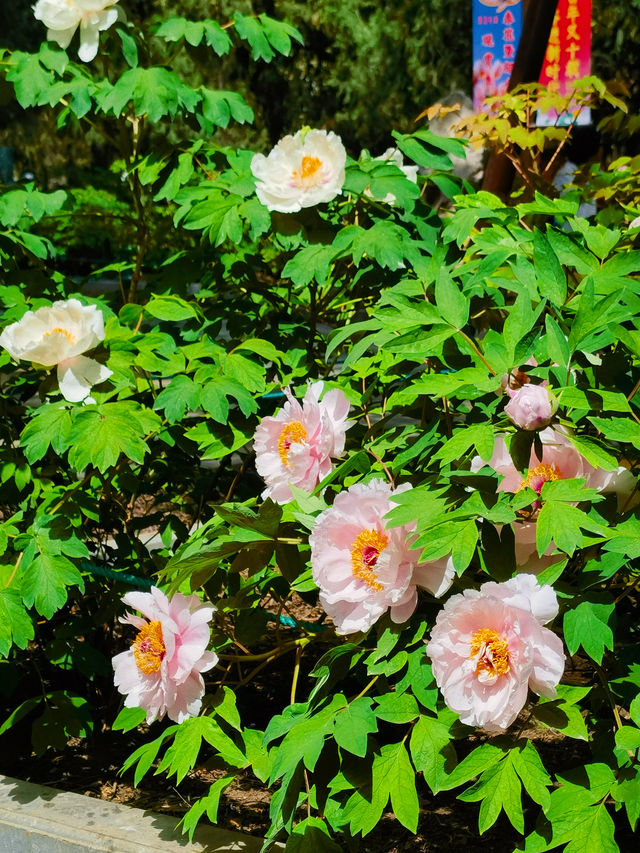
(77, 375)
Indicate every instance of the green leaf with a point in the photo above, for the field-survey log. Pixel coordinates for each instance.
(619, 429)
(627, 791)
(182, 755)
(552, 281)
(129, 47)
(128, 718)
(452, 304)
(431, 751)
(156, 92)
(209, 804)
(250, 29)
(352, 726)
(16, 625)
(628, 737)
(213, 398)
(30, 79)
(99, 434)
(562, 713)
(557, 343)
(223, 705)
(146, 754)
(311, 834)
(171, 308)
(530, 769)
(21, 711)
(181, 395)
(220, 106)
(577, 815)
(570, 489)
(480, 759)
(305, 739)
(394, 776)
(563, 523)
(397, 708)
(217, 38)
(45, 581)
(310, 263)
(588, 624)
(480, 435)
(498, 788)
(49, 427)
(429, 150)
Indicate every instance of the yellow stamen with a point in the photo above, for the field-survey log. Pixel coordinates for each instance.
(366, 549)
(148, 648)
(538, 476)
(60, 331)
(493, 652)
(292, 432)
(310, 166)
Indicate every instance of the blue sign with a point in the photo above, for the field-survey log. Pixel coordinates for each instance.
(497, 26)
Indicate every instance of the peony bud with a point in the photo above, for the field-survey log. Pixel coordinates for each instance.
(531, 406)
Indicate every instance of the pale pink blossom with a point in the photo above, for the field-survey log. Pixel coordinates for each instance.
(531, 406)
(302, 170)
(161, 672)
(489, 646)
(296, 446)
(527, 558)
(63, 17)
(560, 461)
(58, 334)
(364, 568)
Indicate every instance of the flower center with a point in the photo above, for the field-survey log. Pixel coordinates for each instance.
(293, 432)
(148, 648)
(366, 549)
(538, 476)
(491, 652)
(60, 331)
(310, 166)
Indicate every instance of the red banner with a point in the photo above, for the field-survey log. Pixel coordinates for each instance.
(568, 56)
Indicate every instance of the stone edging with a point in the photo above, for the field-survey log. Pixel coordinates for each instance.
(37, 819)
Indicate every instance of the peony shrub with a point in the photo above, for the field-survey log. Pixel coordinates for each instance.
(373, 461)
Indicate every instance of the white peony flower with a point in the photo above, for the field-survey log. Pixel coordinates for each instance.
(301, 171)
(392, 155)
(62, 18)
(59, 335)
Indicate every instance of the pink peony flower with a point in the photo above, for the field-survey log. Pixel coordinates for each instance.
(560, 461)
(531, 406)
(488, 647)
(527, 558)
(296, 445)
(364, 568)
(161, 670)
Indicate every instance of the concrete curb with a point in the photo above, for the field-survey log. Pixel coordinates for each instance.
(36, 819)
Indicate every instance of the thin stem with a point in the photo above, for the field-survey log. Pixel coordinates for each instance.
(272, 653)
(388, 473)
(633, 393)
(15, 569)
(236, 480)
(607, 689)
(306, 785)
(477, 351)
(366, 689)
(296, 675)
